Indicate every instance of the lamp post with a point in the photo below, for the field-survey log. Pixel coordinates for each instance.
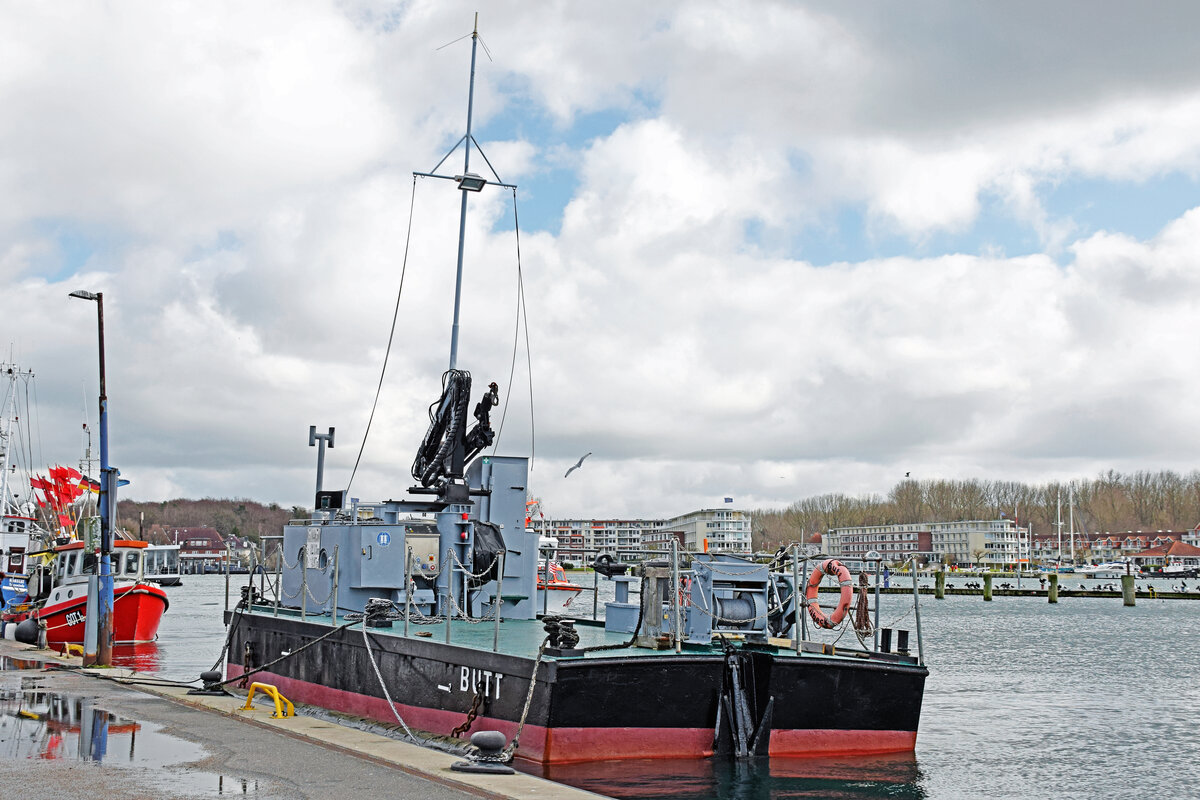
(108, 503)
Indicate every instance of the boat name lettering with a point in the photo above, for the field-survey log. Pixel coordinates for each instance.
(74, 618)
(469, 680)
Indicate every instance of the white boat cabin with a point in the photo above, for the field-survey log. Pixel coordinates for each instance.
(14, 542)
(73, 564)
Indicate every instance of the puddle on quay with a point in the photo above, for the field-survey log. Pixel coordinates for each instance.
(12, 663)
(141, 657)
(36, 724)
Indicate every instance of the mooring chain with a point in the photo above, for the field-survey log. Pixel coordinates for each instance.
(507, 753)
(472, 715)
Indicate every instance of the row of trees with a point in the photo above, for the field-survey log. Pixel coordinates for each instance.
(229, 517)
(1113, 501)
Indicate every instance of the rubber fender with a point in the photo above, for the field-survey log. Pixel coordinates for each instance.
(27, 631)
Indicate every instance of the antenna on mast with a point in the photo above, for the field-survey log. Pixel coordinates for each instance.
(467, 182)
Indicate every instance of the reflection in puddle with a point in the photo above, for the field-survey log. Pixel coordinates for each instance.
(8, 663)
(36, 724)
(141, 657)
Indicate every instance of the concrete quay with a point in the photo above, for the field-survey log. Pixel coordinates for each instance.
(158, 741)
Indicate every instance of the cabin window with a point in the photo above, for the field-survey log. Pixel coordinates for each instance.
(89, 564)
(131, 563)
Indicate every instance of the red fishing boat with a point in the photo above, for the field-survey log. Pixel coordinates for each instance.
(138, 605)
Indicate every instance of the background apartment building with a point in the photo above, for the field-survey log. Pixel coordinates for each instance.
(721, 530)
(579, 540)
(989, 542)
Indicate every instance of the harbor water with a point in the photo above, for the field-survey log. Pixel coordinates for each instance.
(1082, 699)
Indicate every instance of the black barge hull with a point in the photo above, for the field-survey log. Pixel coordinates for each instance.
(632, 704)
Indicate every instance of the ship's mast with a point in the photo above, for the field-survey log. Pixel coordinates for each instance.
(467, 182)
(462, 219)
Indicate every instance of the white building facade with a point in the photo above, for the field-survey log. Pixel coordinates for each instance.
(718, 530)
(985, 542)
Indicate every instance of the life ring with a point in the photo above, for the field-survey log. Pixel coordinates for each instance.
(835, 568)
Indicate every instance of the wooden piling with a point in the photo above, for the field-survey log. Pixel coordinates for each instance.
(939, 586)
(987, 587)
(1128, 593)
(1053, 592)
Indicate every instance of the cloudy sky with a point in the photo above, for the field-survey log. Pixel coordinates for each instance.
(769, 249)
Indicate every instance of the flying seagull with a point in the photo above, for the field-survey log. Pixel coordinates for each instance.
(578, 464)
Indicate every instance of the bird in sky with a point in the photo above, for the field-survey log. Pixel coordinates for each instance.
(578, 464)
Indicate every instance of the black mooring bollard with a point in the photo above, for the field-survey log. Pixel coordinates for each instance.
(489, 746)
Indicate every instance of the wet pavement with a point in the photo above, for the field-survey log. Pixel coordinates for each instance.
(64, 734)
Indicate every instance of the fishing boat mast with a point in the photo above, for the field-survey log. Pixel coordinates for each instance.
(6, 419)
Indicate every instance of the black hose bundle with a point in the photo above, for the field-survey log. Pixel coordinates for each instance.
(446, 419)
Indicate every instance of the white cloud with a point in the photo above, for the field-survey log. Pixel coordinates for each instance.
(242, 177)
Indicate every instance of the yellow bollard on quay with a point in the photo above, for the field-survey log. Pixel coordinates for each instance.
(281, 702)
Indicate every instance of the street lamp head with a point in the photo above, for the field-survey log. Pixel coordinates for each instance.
(82, 295)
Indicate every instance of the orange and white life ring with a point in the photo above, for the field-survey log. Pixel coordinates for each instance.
(835, 568)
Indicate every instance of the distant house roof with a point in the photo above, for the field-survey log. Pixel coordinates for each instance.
(1178, 549)
(197, 539)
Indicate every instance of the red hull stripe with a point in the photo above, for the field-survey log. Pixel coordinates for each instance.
(137, 612)
(567, 745)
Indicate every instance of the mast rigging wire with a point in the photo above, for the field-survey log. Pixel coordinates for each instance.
(391, 336)
(522, 316)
